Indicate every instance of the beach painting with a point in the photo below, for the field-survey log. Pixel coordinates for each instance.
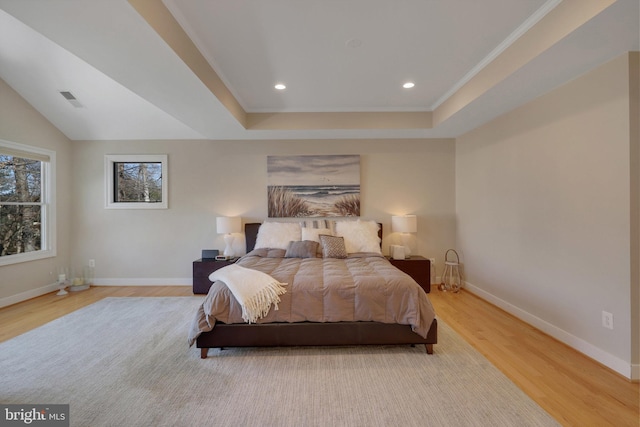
(313, 186)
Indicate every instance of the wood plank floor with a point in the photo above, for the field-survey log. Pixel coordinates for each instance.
(574, 389)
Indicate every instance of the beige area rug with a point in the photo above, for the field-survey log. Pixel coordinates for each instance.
(125, 362)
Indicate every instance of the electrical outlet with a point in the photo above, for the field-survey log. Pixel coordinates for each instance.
(92, 263)
(433, 261)
(607, 320)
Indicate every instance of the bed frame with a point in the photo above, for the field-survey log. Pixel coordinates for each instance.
(309, 333)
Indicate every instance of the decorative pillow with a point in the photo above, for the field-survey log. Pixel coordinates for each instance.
(333, 246)
(277, 234)
(302, 249)
(320, 224)
(359, 236)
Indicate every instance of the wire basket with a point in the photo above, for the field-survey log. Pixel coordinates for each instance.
(451, 276)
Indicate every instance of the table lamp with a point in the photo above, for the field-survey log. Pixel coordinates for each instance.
(404, 224)
(227, 225)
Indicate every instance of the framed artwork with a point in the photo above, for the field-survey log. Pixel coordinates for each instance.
(313, 186)
(136, 181)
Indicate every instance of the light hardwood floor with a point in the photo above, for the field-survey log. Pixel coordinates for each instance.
(573, 388)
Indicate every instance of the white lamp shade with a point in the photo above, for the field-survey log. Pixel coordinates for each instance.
(228, 224)
(404, 224)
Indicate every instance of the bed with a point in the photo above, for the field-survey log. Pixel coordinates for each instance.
(360, 299)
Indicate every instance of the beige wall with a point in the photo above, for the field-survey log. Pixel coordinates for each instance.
(213, 178)
(543, 199)
(19, 122)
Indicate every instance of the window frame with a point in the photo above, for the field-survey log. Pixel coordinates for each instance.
(109, 162)
(48, 244)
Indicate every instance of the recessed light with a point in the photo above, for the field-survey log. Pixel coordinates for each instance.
(408, 85)
(280, 86)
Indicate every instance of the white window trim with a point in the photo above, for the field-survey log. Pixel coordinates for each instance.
(48, 243)
(109, 161)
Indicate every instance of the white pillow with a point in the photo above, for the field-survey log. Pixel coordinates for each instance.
(277, 235)
(313, 233)
(359, 236)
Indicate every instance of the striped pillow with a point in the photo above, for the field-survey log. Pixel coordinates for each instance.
(320, 223)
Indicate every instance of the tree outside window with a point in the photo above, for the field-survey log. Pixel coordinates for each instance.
(136, 181)
(20, 205)
(27, 213)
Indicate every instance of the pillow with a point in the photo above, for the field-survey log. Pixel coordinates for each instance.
(333, 246)
(267, 253)
(277, 234)
(359, 236)
(302, 249)
(313, 234)
(320, 224)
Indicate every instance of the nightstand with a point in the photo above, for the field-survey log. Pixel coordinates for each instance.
(202, 268)
(418, 267)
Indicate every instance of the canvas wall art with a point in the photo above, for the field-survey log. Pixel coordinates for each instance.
(313, 186)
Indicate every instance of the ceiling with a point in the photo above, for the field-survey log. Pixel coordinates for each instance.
(206, 69)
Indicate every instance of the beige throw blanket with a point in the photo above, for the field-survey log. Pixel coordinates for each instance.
(254, 290)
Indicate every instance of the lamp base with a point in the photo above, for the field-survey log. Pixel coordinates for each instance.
(405, 242)
(228, 249)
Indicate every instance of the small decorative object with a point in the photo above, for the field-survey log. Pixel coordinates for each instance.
(405, 224)
(398, 252)
(88, 275)
(80, 279)
(451, 277)
(62, 281)
(227, 225)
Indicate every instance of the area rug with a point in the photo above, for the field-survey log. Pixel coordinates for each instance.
(125, 362)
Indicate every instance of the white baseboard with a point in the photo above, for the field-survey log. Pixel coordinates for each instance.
(175, 281)
(23, 296)
(615, 363)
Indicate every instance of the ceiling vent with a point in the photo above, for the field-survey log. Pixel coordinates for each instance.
(72, 99)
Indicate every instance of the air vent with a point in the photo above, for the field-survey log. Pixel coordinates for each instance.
(72, 99)
(68, 95)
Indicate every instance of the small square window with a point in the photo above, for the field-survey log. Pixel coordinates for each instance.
(136, 181)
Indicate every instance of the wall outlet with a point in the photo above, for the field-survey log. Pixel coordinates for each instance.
(92, 263)
(433, 261)
(607, 320)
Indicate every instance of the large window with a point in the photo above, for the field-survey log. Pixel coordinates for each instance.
(26, 203)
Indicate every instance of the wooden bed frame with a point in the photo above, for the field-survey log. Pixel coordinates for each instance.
(309, 333)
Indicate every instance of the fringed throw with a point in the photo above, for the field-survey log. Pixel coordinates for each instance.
(254, 290)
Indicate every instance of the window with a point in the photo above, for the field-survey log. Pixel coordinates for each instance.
(27, 209)
(136, 181)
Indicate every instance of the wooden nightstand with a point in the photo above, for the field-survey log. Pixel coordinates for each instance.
(202, 268)
(418, 267)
